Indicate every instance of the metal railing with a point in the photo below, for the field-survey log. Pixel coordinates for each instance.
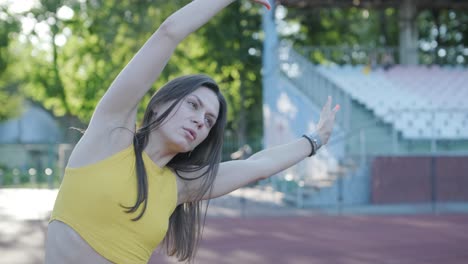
(33, 165)
(365, 135)
(42, 165)
(381, 56)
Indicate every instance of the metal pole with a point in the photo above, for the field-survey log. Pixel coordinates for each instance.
(433, 184)
(362, 140)
(433, 140)
(340, 193)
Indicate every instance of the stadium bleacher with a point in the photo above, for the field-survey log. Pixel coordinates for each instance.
(403, 111)
(420, 102)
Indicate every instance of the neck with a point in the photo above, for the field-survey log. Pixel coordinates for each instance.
(159, 152)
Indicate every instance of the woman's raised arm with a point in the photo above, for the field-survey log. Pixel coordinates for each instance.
(121, 99)
(235, 174)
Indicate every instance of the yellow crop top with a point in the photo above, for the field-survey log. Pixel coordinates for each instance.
(89, 201)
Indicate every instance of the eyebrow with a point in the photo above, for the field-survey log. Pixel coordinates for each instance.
(201, 103)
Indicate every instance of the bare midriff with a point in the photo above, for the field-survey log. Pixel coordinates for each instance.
(65, 245)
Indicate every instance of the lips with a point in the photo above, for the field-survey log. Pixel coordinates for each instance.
(192, 133)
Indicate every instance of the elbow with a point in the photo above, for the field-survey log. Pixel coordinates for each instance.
(167, 29)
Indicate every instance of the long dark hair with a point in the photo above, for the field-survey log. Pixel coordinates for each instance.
(185, 223)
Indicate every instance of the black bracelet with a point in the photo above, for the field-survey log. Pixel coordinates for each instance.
(311, 145)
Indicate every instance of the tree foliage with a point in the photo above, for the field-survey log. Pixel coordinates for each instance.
(10, 100)
(69, 77)
(74, 49)
(368, 30)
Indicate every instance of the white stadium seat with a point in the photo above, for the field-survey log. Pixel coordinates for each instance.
(421, 102)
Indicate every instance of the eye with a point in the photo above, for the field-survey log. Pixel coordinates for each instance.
(193, 104)
(209, 122)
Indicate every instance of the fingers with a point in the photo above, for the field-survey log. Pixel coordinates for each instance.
(327, 106)
(327, 120)
(264, 2)
(336, 108)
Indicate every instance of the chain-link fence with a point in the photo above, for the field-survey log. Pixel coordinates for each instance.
(32, 165)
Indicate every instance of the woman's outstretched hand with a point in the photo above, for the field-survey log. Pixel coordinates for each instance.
(263, 2)
(327, 120)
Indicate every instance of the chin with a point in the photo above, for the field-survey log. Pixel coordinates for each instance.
(183, 146)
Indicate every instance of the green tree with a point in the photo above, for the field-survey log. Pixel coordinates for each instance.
(443, 33)
(10, 100)
(101, 37)
(343, 29)
(444, 36)
(234, 46)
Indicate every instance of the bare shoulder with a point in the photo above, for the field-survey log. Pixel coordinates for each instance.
(101, 140)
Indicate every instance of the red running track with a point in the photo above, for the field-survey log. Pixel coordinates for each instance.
(418, 239)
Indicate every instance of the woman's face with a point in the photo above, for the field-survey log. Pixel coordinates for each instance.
(191, 121)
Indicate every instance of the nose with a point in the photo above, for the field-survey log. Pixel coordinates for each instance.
(198, 121)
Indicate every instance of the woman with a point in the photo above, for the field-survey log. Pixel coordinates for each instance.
(125, 191)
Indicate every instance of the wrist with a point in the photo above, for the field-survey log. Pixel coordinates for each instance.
(315, 136)
(315, 142)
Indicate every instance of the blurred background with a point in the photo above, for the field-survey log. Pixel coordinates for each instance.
(399, 149)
